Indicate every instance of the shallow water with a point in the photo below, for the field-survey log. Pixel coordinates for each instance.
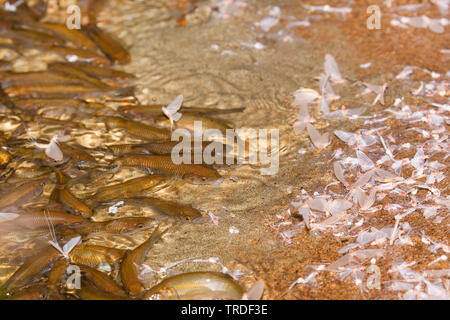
(208, 57)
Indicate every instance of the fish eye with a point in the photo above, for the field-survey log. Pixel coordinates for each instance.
(203, 179)
(140, 225)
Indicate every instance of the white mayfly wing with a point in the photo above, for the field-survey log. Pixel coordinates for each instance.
(71, 244)
(304, 96)
(347, 137)
(319, 141)
(255, 292)
(339, 206)
(339, 173)
(419, 160)
(334, 115)
(364, 161)
(332, 69)
(171, 111)
(303, 113)
(324, 104)
(299, 126)
(53, 151)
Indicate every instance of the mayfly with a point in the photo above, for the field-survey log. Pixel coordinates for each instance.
(378, 90)
(344, 113)
(364, 161)
(365, 201)
(332, 69)
(65, 250)
(304, 96)
(303, 118)
(339, 173)
(319, 141)
(351, 139)
(172, 110)
(52, 149)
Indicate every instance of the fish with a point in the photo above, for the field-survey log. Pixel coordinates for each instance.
(78, 55)
(47, 90)
(8, 78)
(104, 72)
(94, 255)
(70, 202)
(117, 226)
(73, 72)
(102, 281)
(76, 37)
(195, 173)
(129, 272)
(109, 46)
(38, 219)
(33, 267)
(196, 286)
(93, 9)
(152, 111)
(165, 207)
(137, 129)
(30, 173)
(90, 292)
(32, 38)
(128, 188)
(61, 177)
(163, 147)
(187, 122)
(79, 155)
(55, 278)
(22, 194)
(33, 292)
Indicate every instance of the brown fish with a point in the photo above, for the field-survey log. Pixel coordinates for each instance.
(33, 292)
(196, 286)
(104, 73)
(77, 37)
(93, 255)
(129, 269)
(79, 155)
(102, 281)
(196, 173)
(31, 269)
(188, 119)
(57, 273)
(8, 78)
(109, 46)
(63, 91)
(137, 129)
(70, 202)
(152, 111)
(22, 194)
(90, 292)
(129, 187)
(34, 220)
(165, 207)
(73, 71)
(78, 55)
(118, 226)
(164, 147)
(32, 38)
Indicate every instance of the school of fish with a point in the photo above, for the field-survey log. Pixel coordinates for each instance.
(38, 172)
